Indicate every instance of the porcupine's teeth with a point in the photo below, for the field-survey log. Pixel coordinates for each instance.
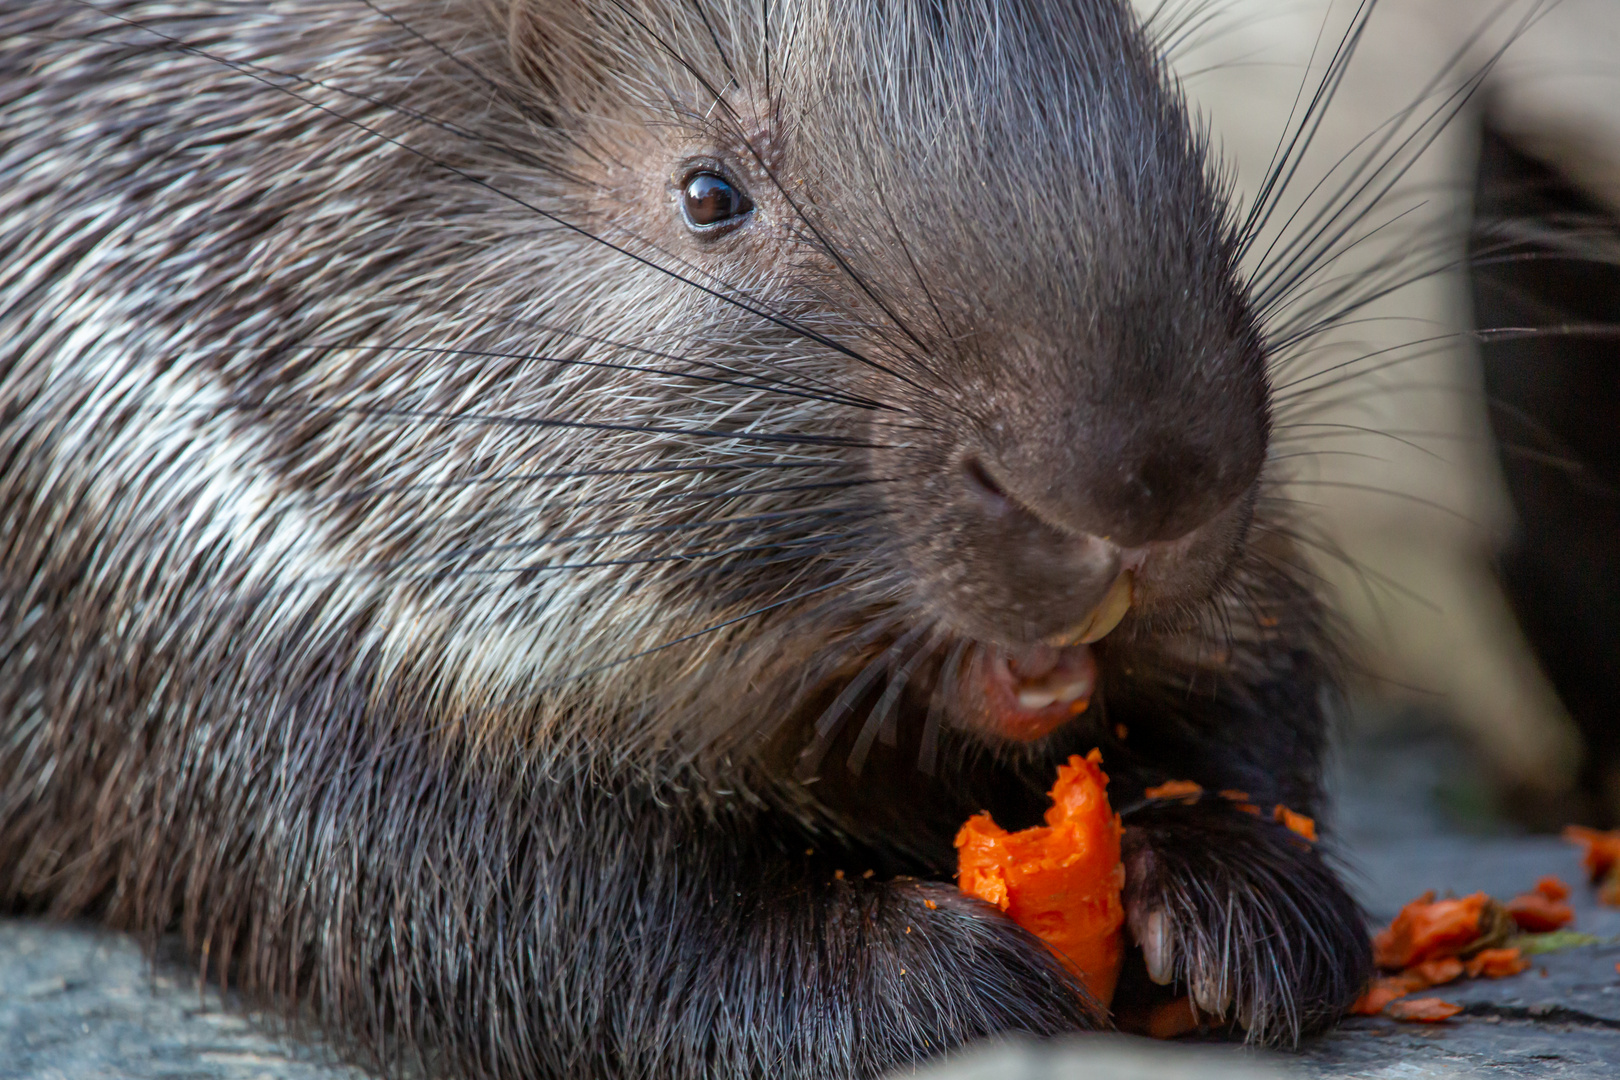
(1103, 618)
(1039, 696)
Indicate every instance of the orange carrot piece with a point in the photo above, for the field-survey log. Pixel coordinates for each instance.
(1601, 849)
(1552, 888)
(1423, 1010)
(1609, 890)
(1428, 928)
(1175, 789)
(1436, 972)
(1060, 881)
(1298, 823)
(1536, 914)
(1496, 963)
(1385, 989)
(1379, 993)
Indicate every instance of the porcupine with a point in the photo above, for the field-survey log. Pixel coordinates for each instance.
(528, 525)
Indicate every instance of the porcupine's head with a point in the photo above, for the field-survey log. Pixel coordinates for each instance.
(658, 374)
(947, 364)
(825, 331)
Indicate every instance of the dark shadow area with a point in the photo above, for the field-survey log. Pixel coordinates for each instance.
(1545, 256)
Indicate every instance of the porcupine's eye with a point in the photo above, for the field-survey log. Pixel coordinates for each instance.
(710, 202)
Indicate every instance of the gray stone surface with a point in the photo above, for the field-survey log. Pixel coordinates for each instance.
(79, 1003)
(1108, 1057)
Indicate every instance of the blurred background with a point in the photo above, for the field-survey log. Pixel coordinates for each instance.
(1442, 274)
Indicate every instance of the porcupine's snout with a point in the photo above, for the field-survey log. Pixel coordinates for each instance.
(1073, 523)
(1078, 497)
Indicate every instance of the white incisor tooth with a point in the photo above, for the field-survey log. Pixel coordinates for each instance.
(1071, 691)
(1103, 618)
(1158, 948)
(1035, 699)
(1111, 610)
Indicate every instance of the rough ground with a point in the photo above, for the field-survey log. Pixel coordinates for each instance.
(77, 1004)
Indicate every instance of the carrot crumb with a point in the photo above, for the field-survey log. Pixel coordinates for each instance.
(1176, 789)
(1380, 992)
(838, 875)
(1297, 823)
(1496, 963)
(1552, 888)
(930, 905)
(1423, 1010)
(1536, 914)
(1427, 928)
(1601, 849)
(1438, 972)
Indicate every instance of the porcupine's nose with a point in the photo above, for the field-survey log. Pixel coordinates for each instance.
(1130, 498)
(1074, 511)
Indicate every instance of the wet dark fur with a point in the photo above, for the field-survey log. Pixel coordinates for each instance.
(358, 623)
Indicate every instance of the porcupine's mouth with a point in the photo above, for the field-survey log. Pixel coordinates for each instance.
(1027, 693)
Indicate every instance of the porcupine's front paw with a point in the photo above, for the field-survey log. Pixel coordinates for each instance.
(972, 971)
(1245, 916)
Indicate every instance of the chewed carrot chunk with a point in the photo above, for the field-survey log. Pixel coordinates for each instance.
(1536, 914)
(1423, 1010)
(1602, 849)
(1060, 881)
(1428, 928)
(1496, 963)
(1601, 859)
(1552, 888)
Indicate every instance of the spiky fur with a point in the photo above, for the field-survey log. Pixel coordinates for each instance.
(420, 576)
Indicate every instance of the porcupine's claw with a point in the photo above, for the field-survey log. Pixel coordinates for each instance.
(1151, 931)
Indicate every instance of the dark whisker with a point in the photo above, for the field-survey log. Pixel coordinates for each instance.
(744, 381)
(374, 491)
(380, 412)
(635, 502)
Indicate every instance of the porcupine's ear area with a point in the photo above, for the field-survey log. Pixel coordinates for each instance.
(589, 58)
(551, 48)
